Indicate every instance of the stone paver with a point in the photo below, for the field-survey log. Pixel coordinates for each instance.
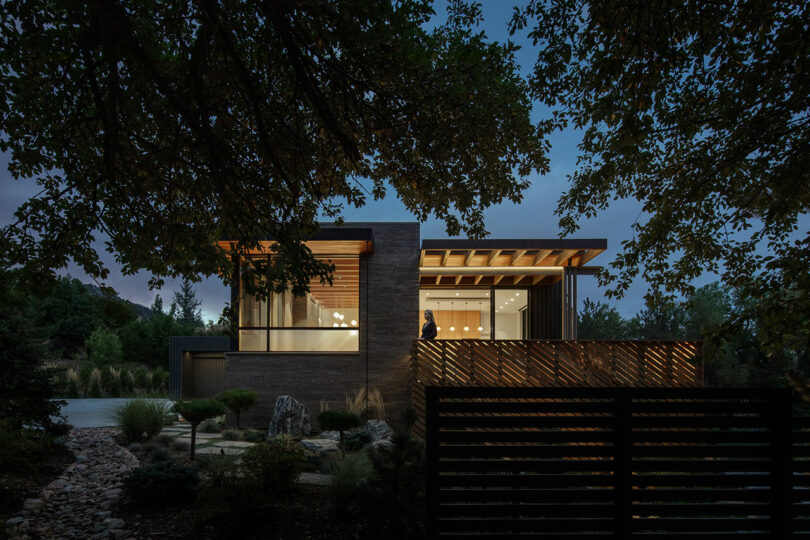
(314, 479)
(200, 436)
(78, 503)
(216, 451)
(234, 444)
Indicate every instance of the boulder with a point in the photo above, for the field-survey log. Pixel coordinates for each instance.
(289, 418)
(378, 429)
(321, 447)
(383, 443)
(334, 435)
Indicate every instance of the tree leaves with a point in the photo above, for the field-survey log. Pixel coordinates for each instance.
(167, 127)
(700, 112)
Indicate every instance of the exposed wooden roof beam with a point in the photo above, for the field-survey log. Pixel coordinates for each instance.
(590, 254)
(445, 256)
(438, 280)
(517, 279)
(469, 257)
(493, 255)
(541, 255)
(517, 255)
(458, 279)
(497, 279)
(564, 256)
(537, 279)
(478, 279)
(422, 257)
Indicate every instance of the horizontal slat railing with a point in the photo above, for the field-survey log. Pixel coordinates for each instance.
(616, 463)
(551, 364)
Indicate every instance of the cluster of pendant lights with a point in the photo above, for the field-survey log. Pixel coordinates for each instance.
(339, 324)
(452, 317)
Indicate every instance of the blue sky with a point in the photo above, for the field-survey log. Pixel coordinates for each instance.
(533, 218)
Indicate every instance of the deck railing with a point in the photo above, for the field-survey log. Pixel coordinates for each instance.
(550, 364)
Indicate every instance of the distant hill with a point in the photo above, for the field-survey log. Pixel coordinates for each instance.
(141, 311)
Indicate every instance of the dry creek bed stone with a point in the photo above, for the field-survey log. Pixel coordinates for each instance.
(78, 503)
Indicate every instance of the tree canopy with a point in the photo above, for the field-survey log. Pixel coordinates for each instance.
(167, 126)
(699, 110)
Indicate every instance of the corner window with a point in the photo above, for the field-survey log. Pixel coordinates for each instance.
(327, 318)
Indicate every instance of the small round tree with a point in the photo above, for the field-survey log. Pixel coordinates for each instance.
(238, 400)
(338, 421)
(197, 410)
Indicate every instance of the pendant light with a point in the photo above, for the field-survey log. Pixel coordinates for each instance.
(452, 318)
(480, 328)
(438, 308)
(466, 328)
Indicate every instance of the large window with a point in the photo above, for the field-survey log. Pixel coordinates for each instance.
(325, 319)
(486, 313)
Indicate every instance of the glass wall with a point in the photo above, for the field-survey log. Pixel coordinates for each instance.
(326, 318)
(468, 313)
(511, 314)
(459, 313)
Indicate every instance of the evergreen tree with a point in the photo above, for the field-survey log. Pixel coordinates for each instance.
(187, 306)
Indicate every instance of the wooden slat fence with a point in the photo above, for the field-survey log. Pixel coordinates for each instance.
(551, 364)
(637, 463)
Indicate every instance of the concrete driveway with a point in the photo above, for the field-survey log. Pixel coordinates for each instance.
(90, 412)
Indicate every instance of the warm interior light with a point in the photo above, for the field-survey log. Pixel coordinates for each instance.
(353, 332)
(438, 328)
(456, 294)
(354, 323)
(342, 316)
(344, 325)
(452, 328)
(480, 328)
(335, 324)
(466, 328)
(336, 315)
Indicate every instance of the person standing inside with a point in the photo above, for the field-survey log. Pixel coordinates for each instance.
(429, 328)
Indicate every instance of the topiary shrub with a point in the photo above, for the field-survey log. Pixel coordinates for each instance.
(238, 400)
(196, 411)
(140, 419)
(338, 421)
(162, 484)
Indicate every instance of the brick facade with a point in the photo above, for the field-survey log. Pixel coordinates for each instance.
(389, 314)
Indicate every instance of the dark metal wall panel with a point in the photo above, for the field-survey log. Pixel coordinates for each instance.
(546, 311)
(180, 344)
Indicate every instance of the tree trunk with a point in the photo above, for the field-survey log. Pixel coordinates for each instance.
(193, 440)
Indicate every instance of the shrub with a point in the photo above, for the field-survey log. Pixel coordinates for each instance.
(179, 446)
(162, 484)
(255, 436)
(140, 376)
(164, 439)
(275, 465)
(134, 447)
(196, 411)
(113, 384)
(140, 419)
(95, 386)
(357, 439)
(338, 421)
(85, 372)
(347, 477)
(209, 426)
(238, 400)
(160, 380)
(72, 388)
(22, 450)
(158, 455)
(104, 347)
(127, 381)
(231, 435)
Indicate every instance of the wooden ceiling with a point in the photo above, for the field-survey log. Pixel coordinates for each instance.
(318, 247)
(345, 289)
(466, 261)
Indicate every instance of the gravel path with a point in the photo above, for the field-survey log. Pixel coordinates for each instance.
(77, 504)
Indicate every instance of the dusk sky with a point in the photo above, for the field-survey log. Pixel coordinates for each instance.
(533, 218)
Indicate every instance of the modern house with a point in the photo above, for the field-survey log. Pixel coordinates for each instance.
(360, 331)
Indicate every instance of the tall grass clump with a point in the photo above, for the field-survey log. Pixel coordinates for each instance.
(140, 419)
(347, 478)
(369, 405)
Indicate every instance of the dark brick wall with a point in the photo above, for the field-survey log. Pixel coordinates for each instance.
(389, 305)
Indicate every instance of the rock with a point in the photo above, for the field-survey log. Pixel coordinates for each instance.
(118, 533)
(334, 435)
(322, 447)
(13, 522)
(383, 443)
(114, 523)
(104, 514)
(378, 429)
(289, 418)
(33, 505)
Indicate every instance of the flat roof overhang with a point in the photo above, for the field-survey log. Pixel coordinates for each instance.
(329, 241)
(504, 262)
